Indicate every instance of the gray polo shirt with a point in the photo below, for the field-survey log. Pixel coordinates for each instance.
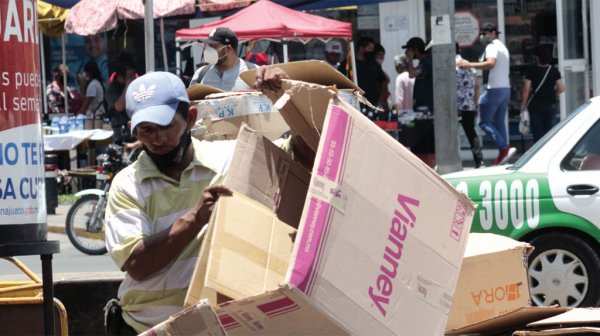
(227, 81)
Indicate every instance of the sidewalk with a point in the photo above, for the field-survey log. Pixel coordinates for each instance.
(56, 223)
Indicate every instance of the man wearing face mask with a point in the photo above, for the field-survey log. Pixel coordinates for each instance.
(370, 75)
(423, 141)
(493, 103)
(158, 207)
(224, 67)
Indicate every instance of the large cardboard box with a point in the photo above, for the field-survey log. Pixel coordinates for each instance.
(381, 236)
(493, 280)
(199, 319)
(223, 113)
(246, 252)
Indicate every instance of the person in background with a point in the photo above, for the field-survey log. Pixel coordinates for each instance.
(369, 73)
(467, 92)
(115, 98)
(158, 207)
(55, 93)
(93, 102)
(493, 103)
(333, 53)
(384, 90)
(404, 84)
(541, 86)
(224, 67)
(424, 144)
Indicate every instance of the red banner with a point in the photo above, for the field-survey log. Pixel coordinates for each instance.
(20, 75)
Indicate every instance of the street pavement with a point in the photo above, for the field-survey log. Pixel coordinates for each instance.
(69, 263)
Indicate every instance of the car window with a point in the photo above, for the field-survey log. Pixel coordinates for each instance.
(540, 143)
(586, 154)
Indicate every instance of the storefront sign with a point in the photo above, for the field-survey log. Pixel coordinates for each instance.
(22, 198)
(467, 28)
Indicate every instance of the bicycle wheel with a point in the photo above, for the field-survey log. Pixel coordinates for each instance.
(85, 236)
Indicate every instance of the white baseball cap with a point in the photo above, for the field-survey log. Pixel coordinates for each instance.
(333, 47)
(154, 98)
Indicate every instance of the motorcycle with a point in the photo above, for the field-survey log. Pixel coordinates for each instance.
(85, 219)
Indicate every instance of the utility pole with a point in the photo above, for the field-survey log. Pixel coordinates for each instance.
(149, 34)
(445, 120)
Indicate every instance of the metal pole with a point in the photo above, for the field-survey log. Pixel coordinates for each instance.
(149, 34)
(445, 122)
(285, 51)
(177, 57)
(43, 70)
(162, 43)
(65, 83)
(353, 60)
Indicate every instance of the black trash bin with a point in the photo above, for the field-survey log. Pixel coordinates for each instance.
(50, 174)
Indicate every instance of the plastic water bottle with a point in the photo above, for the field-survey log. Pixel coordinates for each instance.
(71, 121)
(55, 125)
(63, 125)
(80, 122)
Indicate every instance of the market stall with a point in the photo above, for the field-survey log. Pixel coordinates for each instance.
(277, 23)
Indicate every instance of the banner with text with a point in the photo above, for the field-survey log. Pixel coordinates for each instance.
(22, 195)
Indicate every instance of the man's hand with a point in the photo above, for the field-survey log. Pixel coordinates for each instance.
(463, 64)
(269, 77)
(209, 197)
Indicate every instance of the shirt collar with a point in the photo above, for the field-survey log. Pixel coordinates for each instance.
(147, 168)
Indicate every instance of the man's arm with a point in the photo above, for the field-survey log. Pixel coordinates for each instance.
(154, 253)
(525, 93)
(488, 64)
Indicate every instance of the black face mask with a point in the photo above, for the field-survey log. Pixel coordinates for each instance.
(174, 156)
(370, 55)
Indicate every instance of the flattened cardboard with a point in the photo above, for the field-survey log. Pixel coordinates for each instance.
(310, 71)
(199, 319)
(573, 316)
(493, 279)
(224, 113)
(284, 311)
(510, 321)
(559, 331)
(248, 251)
(267, 174)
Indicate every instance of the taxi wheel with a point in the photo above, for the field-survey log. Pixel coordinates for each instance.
(564, 270)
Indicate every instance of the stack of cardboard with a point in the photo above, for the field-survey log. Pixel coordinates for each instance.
(346, 232)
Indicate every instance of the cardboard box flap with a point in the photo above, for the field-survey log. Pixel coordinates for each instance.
(312, 71)
(283, 311)
(574, 316)
(249, 249)
(559, 331)
(484, 243)
(199, 319)
(266, 173)
(200, 91)
(509, 321)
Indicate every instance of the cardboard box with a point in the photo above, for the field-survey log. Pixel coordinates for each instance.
(381, 237)
(199, 319)
(246, 252)
(269, 175)
(319, 72)
(493, 280)
(509, 322)
(224, 113)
